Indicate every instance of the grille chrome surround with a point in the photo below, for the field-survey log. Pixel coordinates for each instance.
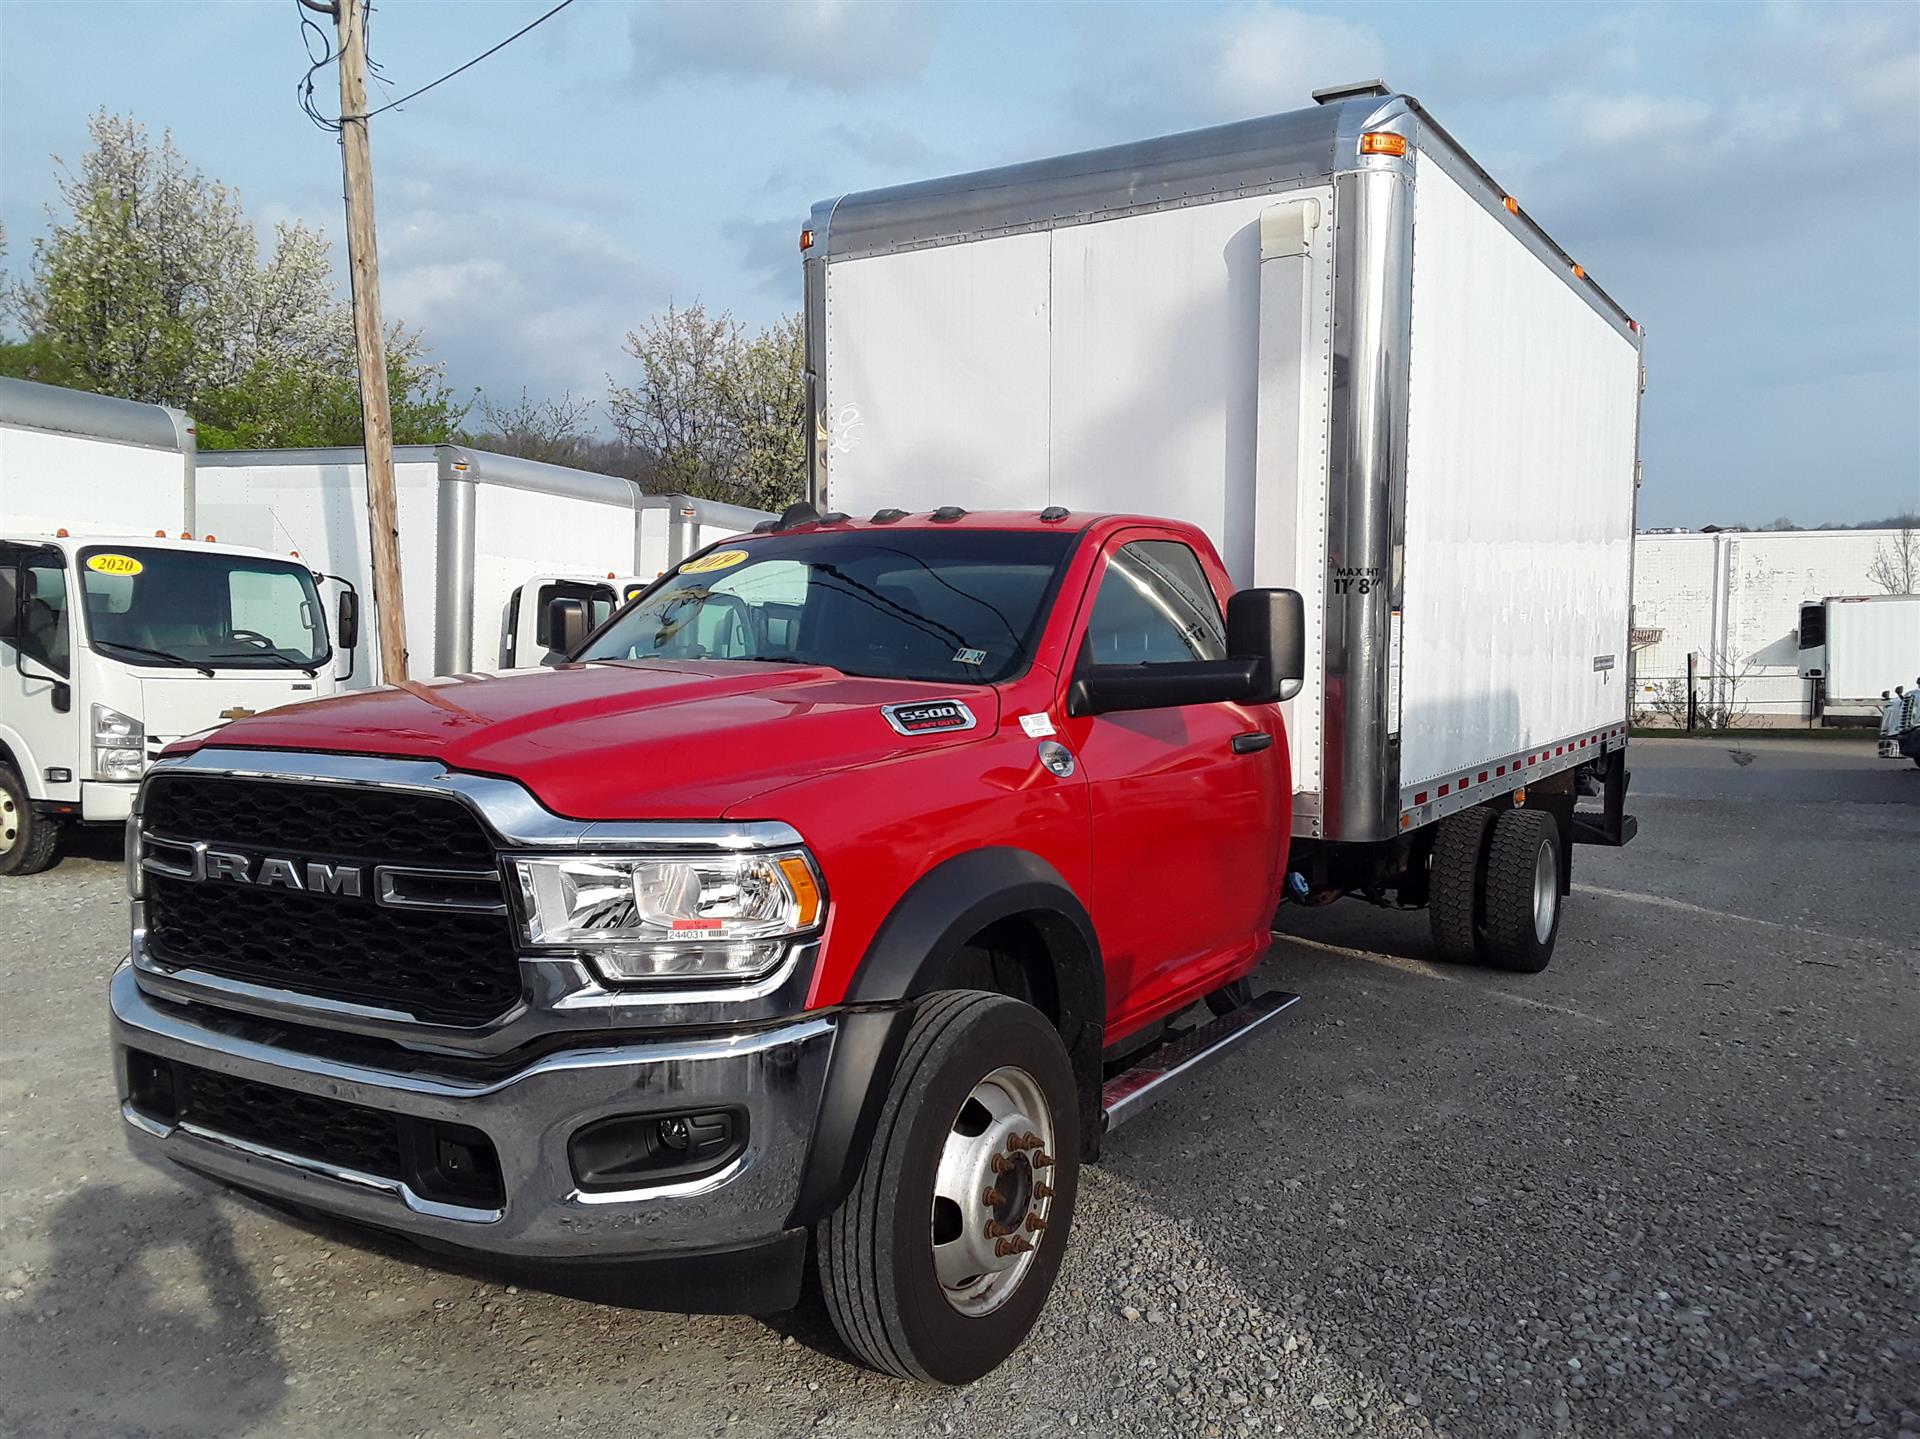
(453, 964)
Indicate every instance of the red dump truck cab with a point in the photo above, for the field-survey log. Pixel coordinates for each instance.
(823, 895)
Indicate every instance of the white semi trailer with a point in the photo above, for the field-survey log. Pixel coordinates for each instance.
(122, 628)
(1856, 648)
(489, 543)
(1334, 342)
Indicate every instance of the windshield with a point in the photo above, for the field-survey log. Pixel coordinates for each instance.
(954, 606)
(202, 607)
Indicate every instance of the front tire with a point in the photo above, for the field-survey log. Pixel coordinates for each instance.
(27, 840)
(941, 1258)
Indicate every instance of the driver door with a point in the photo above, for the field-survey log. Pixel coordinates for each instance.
(1183, 818)
(41, 736)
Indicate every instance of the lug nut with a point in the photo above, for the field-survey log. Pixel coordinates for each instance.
(1000, 1164)
(992, 1198)
(1043, 1191)
(1041, 1160)
(1015, 1245)
(995, 1229)
(1035, 1224)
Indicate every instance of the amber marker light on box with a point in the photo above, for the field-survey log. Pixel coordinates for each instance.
(1379, 142)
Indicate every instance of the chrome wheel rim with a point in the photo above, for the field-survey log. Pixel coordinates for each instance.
(9, 822)
(1546, 890)
(991, 1196)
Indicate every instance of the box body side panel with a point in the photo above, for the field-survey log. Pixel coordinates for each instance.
(51, 481)
(1519, 498)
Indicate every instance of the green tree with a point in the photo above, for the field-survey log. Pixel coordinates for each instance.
(151, 284)
(719, 410)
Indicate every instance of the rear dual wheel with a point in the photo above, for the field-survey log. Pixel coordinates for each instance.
(1494, 888)
(940, 1260)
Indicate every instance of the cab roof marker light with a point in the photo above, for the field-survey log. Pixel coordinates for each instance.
(1379, 142)
(806, 239)
(1513, 205)
(61, 533)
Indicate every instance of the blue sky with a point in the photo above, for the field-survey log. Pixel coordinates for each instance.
(1744, 178)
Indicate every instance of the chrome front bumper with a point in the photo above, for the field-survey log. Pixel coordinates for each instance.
(529, 1115)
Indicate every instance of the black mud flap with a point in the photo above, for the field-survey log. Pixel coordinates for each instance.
(1610, 825)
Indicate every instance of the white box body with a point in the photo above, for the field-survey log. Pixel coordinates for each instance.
(1363, 376)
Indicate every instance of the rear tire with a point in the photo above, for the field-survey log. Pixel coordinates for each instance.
(913, 1278)
(1524, 865)
(28, 841)
(1455, 884)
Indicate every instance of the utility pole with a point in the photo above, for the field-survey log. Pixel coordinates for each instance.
(363, 268)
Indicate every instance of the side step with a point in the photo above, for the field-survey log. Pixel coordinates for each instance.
(1138, 1088)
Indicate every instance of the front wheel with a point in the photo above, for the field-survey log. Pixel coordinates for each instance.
(27, 839)
(941, 1258)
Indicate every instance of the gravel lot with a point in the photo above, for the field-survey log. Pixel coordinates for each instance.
(1672, 1186)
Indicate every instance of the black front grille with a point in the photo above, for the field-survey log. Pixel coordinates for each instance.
(443, 966)
(451, 1162)
(387, 826)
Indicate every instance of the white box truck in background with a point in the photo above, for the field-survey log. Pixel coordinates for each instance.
(119, 631)
(478, 532)
(1856, 648)
(1331, 340)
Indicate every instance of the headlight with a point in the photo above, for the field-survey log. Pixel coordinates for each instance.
(659, 917)
(119, 745)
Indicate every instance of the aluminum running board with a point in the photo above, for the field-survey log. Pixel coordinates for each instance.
(1137, 1088)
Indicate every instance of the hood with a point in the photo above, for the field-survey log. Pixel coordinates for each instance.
(642, 740)
(185, 703)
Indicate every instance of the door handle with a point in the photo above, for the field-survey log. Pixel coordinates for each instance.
(1252, 742)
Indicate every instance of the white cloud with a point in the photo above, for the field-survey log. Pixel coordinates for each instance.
(1151, 70)
(1633, 119)
(830, 44)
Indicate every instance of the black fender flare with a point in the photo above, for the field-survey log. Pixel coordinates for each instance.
(914, 954)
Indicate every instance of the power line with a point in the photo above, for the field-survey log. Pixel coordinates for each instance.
(305, 88)
(416, 94)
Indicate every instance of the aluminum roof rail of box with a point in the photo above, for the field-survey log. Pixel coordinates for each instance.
(463, 463)
(31, 405)
(1246, 157)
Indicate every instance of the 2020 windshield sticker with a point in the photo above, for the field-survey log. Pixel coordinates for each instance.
(718, 560)
(114, 564)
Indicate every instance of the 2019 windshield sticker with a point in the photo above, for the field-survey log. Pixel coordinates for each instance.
(718, 560)
(970, 657)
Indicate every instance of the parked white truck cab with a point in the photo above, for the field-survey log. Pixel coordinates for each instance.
(548, 610)
(111, 648)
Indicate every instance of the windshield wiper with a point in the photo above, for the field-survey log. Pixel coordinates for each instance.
(284, 661)
(180, 661)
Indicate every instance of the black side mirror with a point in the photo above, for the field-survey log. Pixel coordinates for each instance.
(566, 625)
(1270, 628)
(10, 625)
(347, 620)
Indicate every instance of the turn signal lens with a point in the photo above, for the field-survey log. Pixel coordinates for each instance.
(806, 891)
(1378, 142)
